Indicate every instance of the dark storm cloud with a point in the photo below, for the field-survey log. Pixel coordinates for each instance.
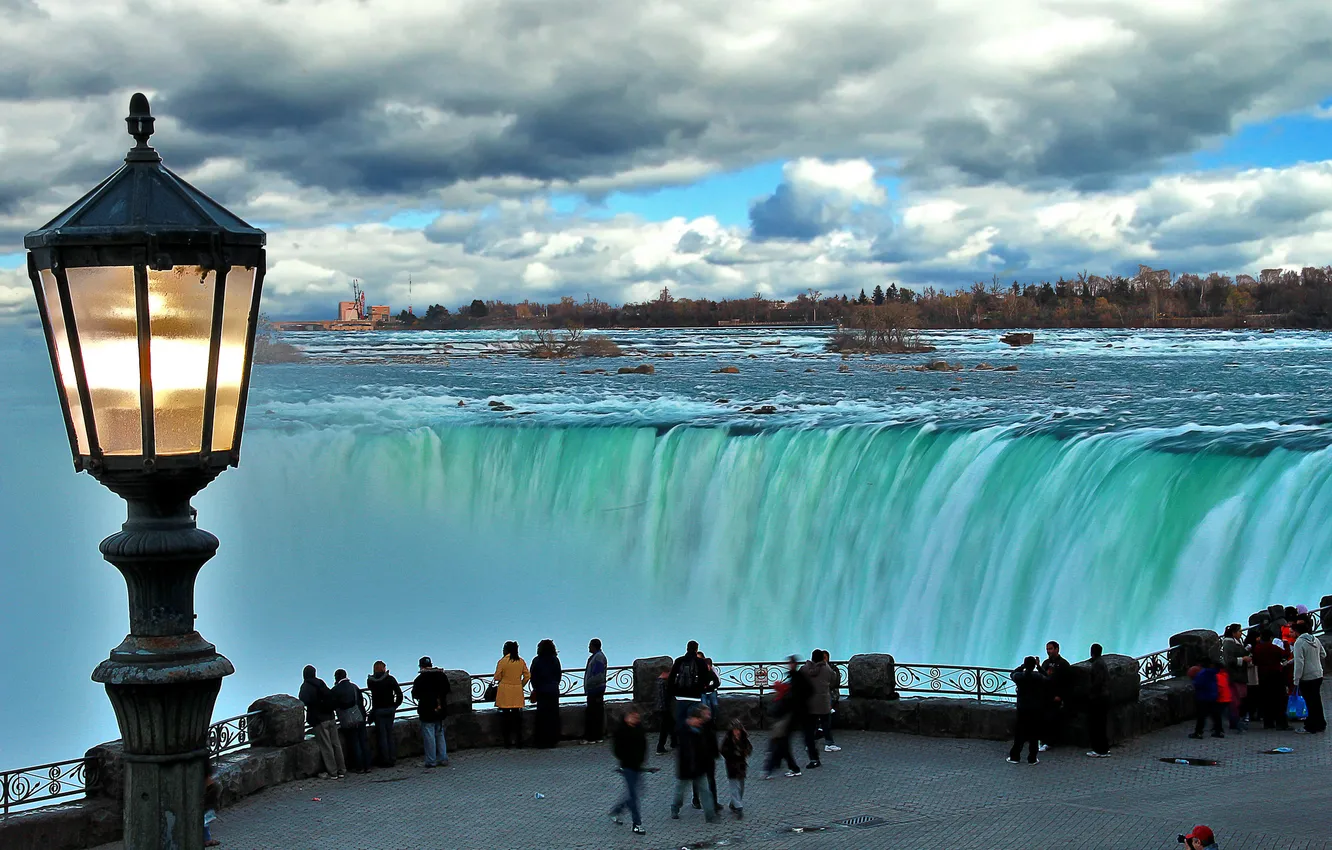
(786, 215)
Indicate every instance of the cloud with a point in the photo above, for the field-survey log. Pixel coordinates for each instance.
(329, 108)
(814, 198)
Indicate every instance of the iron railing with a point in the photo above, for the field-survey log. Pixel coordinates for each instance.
(26, 786)
(233, 733)
(939, 679)
(1154, 667)
(619, 682)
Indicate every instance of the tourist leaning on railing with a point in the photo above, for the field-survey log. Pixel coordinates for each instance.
(511, 676)
(546, 676)
(385, 697)
(431, 693)
(351, 721)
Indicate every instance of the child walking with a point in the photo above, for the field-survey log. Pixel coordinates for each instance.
(735, 751)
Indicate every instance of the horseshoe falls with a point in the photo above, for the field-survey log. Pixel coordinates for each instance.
(1118, 487)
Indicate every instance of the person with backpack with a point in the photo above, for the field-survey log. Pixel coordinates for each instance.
(689, 677)
(1031, 708)
(351, 720)
(431, 693)
(629, 744)
(735, 752)
(318, 701)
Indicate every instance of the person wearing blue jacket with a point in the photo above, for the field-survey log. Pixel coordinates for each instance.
(1205, 693)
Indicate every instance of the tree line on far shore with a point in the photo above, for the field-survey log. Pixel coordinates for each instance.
(1151, 298)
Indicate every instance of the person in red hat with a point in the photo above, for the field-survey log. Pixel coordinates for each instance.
(1200, 837)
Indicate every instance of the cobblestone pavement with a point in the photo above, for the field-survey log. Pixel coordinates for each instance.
(929, 793)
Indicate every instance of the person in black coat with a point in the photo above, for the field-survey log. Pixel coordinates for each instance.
(688, 681)
(546, 677)
(318, 701)
(385, 697)
(1031, 708)
(351, 721)
(695, 758)
(431, 693)
(1056, 668)
(629, 744)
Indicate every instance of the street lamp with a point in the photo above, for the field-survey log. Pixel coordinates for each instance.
(148, 292)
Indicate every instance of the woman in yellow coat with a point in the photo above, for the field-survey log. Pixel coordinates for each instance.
(511, 677)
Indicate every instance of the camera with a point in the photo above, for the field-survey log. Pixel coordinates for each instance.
(1181, 838)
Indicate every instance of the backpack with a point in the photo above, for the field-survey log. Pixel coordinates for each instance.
(686, 678)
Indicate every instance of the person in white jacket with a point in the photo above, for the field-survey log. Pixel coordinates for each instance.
(1309, 654)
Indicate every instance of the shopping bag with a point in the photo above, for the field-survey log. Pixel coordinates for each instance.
(1296, 709)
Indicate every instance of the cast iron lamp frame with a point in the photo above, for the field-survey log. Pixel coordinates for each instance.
(163, 679)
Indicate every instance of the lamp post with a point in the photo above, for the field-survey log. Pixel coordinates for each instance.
(148, 292)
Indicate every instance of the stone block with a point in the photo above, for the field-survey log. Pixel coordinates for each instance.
(646, 673)
(991, 720)
(460, 692)
(1124, 683)
(742, 707)
(872, 676)
(68, 826)
(1193, 647)
(109, 761)
(882, 715)
(281, 722)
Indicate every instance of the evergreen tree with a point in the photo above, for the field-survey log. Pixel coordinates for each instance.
(878, 296)
(863, 299)
(478, 308)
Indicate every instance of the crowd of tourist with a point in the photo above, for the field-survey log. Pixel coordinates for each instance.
(1043, 690)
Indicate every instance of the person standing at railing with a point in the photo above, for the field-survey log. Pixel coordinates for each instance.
(351, 720)
(431, 693)
(594, 688)
(1031, 695)
(511, 676)
(1270, 660)
(1237, 661)
(318, 701)
(665, 712)
(546, 675)
(1056, 669)
(1098, 705)
(819, 706)
(711, 687)
(689, 676)
(385, 697)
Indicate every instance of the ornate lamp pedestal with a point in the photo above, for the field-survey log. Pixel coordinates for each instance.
(164, 677)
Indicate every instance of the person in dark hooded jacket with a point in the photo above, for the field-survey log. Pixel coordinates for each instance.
(431, 692)
(1030, 685)
(351, 720)
(318, 701)
(385, 697)
(696, 756)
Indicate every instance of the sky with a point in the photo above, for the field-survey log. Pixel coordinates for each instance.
(529, 149)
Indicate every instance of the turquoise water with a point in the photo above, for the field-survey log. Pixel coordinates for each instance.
(1119, 487)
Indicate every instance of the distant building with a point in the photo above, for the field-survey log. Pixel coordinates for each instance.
(347, 311)
(379, 314)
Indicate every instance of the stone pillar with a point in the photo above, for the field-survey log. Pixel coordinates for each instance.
(1193, 647)
(1124, 682)
(1325, 614)
(460, 692)
(872, 676)
(646, 673)
(281, 721)
(107, 772)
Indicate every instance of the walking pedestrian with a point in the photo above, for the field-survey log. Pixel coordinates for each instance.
(689, 676)
(735, 751)
(629, 745)
(835, 694)
(779, 739)
(318, 701)
(1309, 656)
(546, 676)
(1056, 670)
(594, 687)
(695, 756)
(431, 693)
(1270, 661)
(385, 697)
(1205, 694)
(665, 712)
(1098, 705)
(818, 708)
(351, 721)
(1031, 707)
(511, 676)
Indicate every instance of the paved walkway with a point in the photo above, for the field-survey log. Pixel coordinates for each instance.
(929, 792)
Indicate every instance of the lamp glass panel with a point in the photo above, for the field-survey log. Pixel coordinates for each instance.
(231, 359)
(103, 300)
(64, 360)
(180, 309)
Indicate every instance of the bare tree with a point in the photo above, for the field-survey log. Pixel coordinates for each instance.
(815, 295)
